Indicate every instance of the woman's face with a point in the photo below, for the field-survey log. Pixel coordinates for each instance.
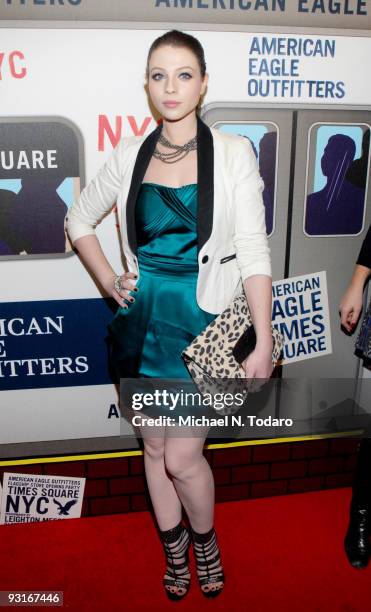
(174, 76)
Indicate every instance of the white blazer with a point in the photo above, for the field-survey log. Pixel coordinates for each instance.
(231, 234)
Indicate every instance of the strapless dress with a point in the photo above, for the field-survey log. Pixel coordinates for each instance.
(147, 338)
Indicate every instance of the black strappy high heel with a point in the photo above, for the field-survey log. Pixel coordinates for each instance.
(176, 544)
(208, 560)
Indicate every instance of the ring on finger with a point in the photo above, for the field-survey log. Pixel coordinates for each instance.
(117, 283)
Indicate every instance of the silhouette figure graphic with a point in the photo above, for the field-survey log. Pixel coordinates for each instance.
(338, 207)
(38, 213)
(357, 173)
(267, 169)
(8, 242)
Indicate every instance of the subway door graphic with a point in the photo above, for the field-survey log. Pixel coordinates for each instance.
(269, 132)
(315, 166)
(330, 218)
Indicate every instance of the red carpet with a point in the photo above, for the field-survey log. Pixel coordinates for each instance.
(282, 553)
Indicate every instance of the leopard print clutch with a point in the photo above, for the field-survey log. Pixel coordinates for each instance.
(210, 360)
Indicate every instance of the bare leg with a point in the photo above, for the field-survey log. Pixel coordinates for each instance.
(166, 505)
(192, 476)
(193, 479)
(165, 500)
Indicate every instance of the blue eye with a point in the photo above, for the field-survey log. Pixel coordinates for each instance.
(156, 76)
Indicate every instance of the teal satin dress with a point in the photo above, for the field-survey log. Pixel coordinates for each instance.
(148, 337)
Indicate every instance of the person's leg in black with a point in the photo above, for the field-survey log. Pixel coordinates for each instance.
(356, 543)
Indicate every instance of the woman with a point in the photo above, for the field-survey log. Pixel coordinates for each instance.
(357, 545)
(192, 221)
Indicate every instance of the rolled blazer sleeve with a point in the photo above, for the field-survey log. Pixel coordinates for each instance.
(97, 198)
(250, 236)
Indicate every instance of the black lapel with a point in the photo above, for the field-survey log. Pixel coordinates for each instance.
(205, 180)
(141, 164)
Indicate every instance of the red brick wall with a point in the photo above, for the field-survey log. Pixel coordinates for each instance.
(118, 485)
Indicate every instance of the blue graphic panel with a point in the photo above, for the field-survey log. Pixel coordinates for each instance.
(57, 343)
(13, 185)
(335, 203)
(39, 178)
(65, 191)
(323, 135)
(253, 131)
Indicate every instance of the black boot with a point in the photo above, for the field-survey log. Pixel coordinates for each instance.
(356, 543)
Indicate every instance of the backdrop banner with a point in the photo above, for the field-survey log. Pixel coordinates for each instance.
(302, 100)
(342, 14)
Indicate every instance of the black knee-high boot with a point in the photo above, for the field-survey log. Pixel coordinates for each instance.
(357, 545)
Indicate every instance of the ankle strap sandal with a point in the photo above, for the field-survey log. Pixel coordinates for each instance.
(210, 573)
(176, 544)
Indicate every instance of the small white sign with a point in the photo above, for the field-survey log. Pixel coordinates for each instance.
(32, 498)
(300, 311)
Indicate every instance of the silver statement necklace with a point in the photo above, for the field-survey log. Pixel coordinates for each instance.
(180, 150)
